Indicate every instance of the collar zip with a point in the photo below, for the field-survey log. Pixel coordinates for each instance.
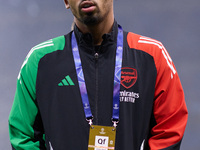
(86, 40)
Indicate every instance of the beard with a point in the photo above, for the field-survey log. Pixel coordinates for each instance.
(92, 18)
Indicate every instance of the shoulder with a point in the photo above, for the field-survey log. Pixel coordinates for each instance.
(143, 43)
(40, 50)
(48, 46)
(151, 46)
(31, 61)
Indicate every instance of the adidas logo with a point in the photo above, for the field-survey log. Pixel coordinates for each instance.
(67, 81)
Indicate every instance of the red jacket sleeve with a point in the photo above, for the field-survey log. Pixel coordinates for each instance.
(169, 110)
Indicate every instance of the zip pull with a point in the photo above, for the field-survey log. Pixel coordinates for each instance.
(96, 56)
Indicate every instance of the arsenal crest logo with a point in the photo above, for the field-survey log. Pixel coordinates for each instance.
(128, 77)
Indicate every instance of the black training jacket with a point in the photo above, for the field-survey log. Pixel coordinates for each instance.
(48, 113)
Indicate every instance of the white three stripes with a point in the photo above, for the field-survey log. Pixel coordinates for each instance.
(51, 148)
(42, 45)
(168, 59)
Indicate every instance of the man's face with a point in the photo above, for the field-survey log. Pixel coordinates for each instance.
(90, 12)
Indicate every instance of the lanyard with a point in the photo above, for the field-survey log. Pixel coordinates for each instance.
(117, 77)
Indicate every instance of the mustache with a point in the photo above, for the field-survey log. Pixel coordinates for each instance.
(91, 2)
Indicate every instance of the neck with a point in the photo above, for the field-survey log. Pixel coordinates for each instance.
(96, 30)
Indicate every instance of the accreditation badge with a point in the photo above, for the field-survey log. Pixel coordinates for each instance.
(102, 138)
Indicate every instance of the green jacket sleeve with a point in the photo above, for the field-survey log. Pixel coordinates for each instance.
(25, 123)
(24, 110)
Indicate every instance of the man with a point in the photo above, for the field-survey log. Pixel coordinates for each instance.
(73, 89)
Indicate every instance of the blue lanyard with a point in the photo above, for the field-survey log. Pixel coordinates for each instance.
(117, 77)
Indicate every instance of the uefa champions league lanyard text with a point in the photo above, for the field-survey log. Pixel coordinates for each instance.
(117, 77)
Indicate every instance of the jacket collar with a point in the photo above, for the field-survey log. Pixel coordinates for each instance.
(87, 38)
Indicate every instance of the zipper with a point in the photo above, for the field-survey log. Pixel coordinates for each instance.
(96, 56)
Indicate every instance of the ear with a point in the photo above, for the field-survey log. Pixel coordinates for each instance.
(67, 4)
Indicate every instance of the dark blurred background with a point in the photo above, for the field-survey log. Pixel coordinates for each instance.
(176, 23)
